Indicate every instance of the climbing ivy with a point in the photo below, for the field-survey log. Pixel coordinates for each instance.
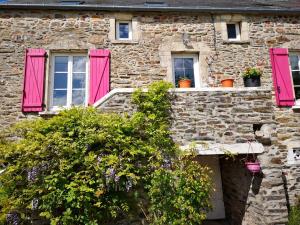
(86, 167)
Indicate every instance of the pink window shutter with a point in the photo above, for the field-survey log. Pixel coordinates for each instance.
(282, 78)
(99, 74)
(34, 75)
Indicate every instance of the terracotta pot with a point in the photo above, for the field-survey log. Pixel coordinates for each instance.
(253, 167)
(185, 83)
(227, 82)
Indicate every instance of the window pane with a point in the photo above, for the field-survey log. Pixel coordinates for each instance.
(61, 64)
(79, 64)
(78, 97)
(296, 77)
(178, 63)
(297, 92)
(60, 80)
(188, 63)
(231, 31)
(60, 97)
(78, 80)
(124, 30)
(184, 67)
(294, 62)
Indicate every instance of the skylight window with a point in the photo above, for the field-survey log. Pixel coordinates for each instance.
(66, 2)
(155, 4)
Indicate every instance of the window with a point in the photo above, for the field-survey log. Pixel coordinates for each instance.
(185, 65)
(295, 68)
(69, 80)
(233, 31)
(123, 30)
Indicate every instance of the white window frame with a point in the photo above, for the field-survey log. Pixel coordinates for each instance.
(69, 81)
(195, 57)
(129, 29)
(237, 30)
(297, 102)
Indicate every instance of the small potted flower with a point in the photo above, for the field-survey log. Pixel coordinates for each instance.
(251, 77)
(184, 82)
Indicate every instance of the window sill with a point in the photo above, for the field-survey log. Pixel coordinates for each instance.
(237, 42)
(128, 42)
(48, 113)
(296, 107)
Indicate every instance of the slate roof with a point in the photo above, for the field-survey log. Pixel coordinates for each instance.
(255, 6)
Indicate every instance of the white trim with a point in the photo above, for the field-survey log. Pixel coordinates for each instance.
(195, 57)
(297, 101)
(237, 30)
(69, 81)
(129, 30)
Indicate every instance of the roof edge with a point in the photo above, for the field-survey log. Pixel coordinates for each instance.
(252, 10)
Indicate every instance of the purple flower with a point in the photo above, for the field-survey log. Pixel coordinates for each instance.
(13, 218)
(128, 185)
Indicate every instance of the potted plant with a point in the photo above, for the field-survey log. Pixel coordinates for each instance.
(251, 161)
(227, 82)
(184, 82)
(251, 77)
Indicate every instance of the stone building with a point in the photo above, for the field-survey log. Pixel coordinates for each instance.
(63, 53)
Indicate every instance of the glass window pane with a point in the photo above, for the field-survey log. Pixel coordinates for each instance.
(178, 63)
(79, 64)
(231, 31)
(297, 92)
(188, 63)
(61, 64)
(124, 30)
(60, 80)
(78, 97)
(294, 62)
(78, 80)
(296, 77)
(60, 97)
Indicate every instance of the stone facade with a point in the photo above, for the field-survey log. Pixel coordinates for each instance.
(213, 115)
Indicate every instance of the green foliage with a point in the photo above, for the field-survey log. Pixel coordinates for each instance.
(252, 72)
(294, 215)
(85, 167)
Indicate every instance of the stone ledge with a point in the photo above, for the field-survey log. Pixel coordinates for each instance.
(235, 42)
(128, 42)
(223, 149)
(181, 90)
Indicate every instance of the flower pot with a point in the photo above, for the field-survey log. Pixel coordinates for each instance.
(253, 167)
(185, 83)
(252, 81)
(227, 82)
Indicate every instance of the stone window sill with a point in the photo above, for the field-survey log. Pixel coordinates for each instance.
(296, 107)
(128, 42)
(227, 42)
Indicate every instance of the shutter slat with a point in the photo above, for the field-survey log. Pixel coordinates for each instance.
(99, 74)
(34, 75)
(282, 78)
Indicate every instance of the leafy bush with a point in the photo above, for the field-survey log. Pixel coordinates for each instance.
(294, 215)
(85, 167)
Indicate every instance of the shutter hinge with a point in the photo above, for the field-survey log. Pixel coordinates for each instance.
(278, 89)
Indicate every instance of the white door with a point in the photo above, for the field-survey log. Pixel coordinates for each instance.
(218, 211)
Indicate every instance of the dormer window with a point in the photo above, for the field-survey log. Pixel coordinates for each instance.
(233, 31)
(123, 30)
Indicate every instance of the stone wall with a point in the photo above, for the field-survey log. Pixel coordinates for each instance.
(229, 116)
(212, 116)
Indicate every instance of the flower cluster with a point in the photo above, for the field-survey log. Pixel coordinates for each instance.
(252, 72)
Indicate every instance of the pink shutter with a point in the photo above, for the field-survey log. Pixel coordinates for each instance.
(282, 78)
(34, 75)
(99, 74)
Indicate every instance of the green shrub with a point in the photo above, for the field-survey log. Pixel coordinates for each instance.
(252, 72)
(294, 215)
(85, 167)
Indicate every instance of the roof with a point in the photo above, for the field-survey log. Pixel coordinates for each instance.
(246, 6)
